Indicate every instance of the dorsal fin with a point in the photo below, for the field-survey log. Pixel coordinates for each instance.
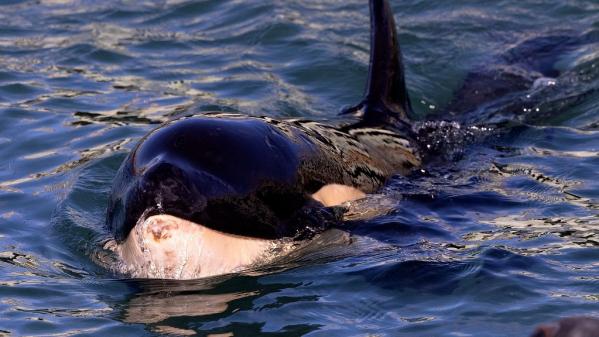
(386, 98)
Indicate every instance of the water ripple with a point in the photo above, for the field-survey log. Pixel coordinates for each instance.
(497, 234)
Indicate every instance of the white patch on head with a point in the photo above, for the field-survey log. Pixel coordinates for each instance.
(337, 194)
(167, 247)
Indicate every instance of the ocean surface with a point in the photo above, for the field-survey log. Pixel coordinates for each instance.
(497, 233)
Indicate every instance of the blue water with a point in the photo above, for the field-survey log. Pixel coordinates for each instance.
(497, 234)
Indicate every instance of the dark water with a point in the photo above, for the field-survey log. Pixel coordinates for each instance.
(498, 234)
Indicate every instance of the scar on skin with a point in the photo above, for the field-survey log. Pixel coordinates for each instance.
(161, 229)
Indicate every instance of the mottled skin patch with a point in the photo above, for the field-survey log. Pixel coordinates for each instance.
(162, 230)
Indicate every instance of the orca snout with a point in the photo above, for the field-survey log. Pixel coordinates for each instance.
(168, 188)
(162, 187)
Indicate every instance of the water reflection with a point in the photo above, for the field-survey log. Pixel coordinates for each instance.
(156, 307)
(573, 232)
(175, 306)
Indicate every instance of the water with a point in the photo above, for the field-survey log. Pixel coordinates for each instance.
(498, 234)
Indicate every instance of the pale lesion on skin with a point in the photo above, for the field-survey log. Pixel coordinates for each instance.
(161, 232)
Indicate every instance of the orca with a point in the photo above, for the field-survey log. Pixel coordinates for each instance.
(212, 193)
(569, 327)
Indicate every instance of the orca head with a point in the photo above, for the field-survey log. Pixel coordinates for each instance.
(234, 175)
(243, 176)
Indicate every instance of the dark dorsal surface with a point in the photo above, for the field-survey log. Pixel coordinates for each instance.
(386, 101)
(503, 84)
